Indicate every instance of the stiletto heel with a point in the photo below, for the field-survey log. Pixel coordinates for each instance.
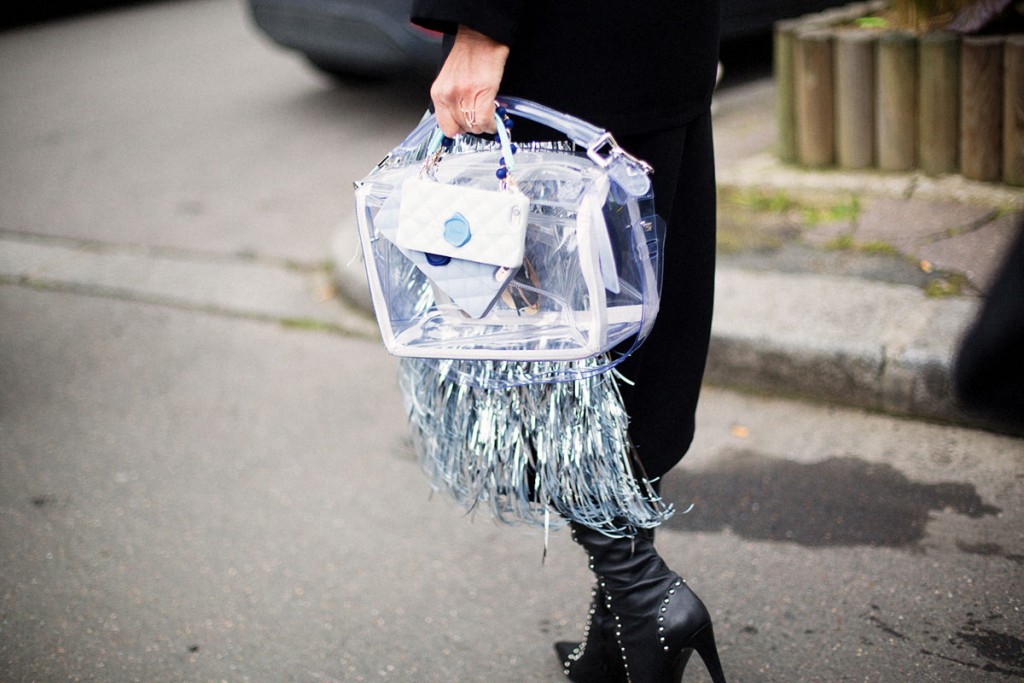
(703, 641)
(679, 666)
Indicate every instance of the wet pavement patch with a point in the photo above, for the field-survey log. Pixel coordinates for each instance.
(1002, 653)
(975, 645)
(842, 501)
(1000, 649)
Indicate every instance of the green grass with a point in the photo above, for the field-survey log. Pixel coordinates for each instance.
(752, 219)
(877, 248)
(841, 243)
(953, 284)
(872, 22)
(833, 213)
(810, 212)
(310, 325)
(847, 243)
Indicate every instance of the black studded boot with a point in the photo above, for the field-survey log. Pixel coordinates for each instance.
(659, 621)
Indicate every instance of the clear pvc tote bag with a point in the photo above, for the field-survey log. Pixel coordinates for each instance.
(487, 250)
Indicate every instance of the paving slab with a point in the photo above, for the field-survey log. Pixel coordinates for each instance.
(909, 223)
(977, 254)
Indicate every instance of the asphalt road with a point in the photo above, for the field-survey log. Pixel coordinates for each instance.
(199, 487)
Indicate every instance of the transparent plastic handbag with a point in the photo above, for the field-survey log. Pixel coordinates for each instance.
(590, 277)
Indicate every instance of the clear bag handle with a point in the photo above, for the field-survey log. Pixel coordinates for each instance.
(584, 134)
(626, 170)
(439, 143)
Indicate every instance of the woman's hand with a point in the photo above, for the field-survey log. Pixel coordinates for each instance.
(464, 90)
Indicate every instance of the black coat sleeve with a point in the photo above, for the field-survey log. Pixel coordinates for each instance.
(496, 19)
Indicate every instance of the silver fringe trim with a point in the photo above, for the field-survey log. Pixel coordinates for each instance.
(530, 451)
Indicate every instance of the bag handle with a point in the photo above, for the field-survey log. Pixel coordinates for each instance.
(439, 143)
(625, 169)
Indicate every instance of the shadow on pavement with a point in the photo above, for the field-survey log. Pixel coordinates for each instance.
(842, 501)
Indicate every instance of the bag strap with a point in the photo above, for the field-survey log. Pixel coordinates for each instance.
(625, 169)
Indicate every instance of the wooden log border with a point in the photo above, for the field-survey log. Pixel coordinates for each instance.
(855, 99)
(962, 110)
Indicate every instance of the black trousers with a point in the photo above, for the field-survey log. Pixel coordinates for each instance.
(666, 372)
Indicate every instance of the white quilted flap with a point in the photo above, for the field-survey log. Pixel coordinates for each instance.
(463, 222)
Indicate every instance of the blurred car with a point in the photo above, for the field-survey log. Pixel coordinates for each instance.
(375, 37)
(351, 37)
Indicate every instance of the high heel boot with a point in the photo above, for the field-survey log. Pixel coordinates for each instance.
(596, 659)
(659, 621)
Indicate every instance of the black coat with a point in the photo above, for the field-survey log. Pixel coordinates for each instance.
(630, 67)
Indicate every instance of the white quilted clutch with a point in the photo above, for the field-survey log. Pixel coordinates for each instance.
(471, 286)
(463, 222)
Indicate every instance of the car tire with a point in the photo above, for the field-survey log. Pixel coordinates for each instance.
(346, 74)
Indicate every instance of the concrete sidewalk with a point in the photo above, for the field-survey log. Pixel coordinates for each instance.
(849, 287)
(852, 288)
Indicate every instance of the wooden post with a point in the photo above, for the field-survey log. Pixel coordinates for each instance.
(814, 106)
(938, 100)
(896, 114)
(785, 88)
(981, 107)
(1013, 111)
(855, 99)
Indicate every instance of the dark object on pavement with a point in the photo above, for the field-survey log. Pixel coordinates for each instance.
(988, 375)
